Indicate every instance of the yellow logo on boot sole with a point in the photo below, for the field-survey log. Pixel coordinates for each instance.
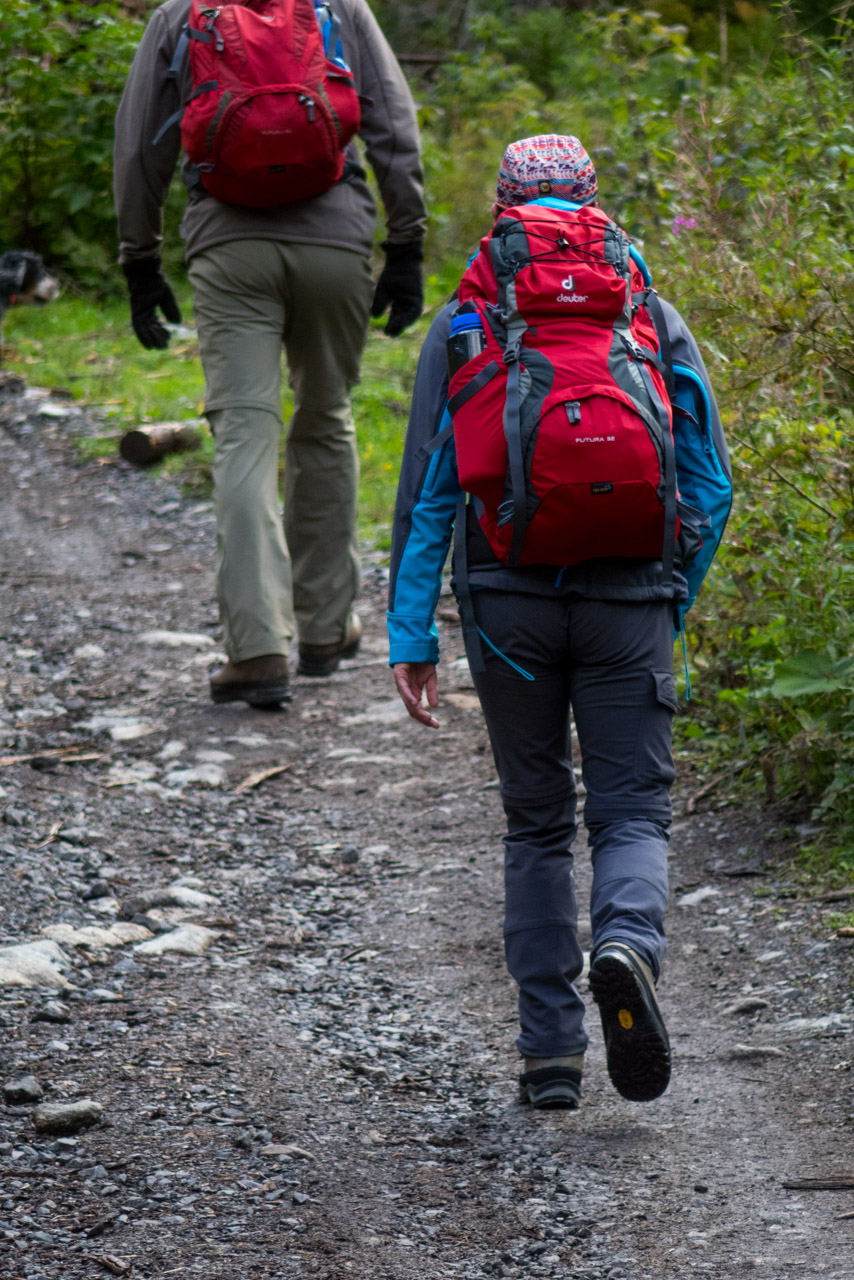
(626, 1019)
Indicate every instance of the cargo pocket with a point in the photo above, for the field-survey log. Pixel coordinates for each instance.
(653, 747)
(665, 689)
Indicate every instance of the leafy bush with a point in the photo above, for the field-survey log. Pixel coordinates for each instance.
(762, 263)
(64, 64)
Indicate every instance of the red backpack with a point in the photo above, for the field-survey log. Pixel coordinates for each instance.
(271, 112)
(563, 423)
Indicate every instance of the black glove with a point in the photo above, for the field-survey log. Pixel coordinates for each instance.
(400, 286)
(149, 290)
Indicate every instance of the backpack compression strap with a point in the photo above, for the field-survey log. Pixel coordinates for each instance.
(664, 365)
(207, 87)
(516, 328)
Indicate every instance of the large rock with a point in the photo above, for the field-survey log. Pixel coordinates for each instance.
(202, 775)
(96, 936)
(174, 895)
(176, 639)
(186, 940)
(67, 1117)
(34, 964)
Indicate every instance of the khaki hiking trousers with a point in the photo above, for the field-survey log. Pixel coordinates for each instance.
(251, 297)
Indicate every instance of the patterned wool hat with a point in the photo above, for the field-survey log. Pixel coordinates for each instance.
(547, 165)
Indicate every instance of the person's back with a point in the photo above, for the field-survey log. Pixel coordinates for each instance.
(591, 632)
(294, 273)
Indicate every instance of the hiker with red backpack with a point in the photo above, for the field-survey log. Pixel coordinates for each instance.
(564, 434)
(266, 97)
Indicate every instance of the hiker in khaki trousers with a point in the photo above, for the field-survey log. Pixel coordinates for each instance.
(297, 276)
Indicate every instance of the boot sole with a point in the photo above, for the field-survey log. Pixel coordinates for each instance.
(327, 666)
(549, 1097)
(636, 1042)
(261, 696)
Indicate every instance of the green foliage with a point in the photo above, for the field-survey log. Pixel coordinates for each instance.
(766, 275)
(63, 65)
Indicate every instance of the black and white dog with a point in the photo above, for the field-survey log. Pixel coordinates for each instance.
(23, 280)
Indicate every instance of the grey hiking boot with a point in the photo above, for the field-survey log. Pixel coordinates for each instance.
(325, 659)
(636, 1041)
(552, 1084)
(261, 682)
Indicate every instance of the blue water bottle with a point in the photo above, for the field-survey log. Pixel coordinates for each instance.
(466, 341)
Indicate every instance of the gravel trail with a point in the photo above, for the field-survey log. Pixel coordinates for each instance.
(274, 1010)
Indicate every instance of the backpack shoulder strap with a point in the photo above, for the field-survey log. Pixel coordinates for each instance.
(664, 363)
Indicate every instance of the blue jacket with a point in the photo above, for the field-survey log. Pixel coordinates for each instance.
(429, 492)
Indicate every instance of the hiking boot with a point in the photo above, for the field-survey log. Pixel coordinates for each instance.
(552, 1084)
(262, 682)
(324, 659)
(636, 1042)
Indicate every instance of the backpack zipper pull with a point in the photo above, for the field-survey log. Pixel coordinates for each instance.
(308, 103)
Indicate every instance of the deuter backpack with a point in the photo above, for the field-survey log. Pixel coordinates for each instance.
(563, 422)
(273, 104)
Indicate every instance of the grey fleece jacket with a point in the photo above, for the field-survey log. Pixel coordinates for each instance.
(343, 217)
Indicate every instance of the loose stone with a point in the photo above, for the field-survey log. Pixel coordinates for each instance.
(67, 1117)
(26, 1089)
(52, 1011)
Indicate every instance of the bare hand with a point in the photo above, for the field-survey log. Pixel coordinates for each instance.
(411, 679)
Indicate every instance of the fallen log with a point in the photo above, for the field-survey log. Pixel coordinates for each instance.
(144, 445)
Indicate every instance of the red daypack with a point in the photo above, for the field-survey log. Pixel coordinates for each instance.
(270, 114)
(563, 423)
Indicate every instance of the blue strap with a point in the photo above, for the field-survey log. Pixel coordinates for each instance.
(173, 119)
(207, 87)
(188, 33)
(180, 50)
(430, 448)
(504, 658)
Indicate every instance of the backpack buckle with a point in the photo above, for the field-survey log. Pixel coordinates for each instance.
(513, 349)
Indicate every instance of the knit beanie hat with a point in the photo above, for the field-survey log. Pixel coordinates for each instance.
(547, 165)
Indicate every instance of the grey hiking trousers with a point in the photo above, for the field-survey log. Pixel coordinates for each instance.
(251, 299)
(612, 663)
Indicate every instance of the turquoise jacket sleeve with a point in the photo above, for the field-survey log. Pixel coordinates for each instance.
(427, 499)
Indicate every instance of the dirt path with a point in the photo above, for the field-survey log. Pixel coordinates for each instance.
(328, 1088)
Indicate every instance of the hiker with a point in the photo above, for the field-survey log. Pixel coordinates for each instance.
(570, 576)
(278, 230)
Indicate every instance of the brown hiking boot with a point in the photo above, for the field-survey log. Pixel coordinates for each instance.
(262, 682)
(324, 659)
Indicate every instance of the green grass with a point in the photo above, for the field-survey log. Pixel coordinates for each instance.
(840, 920)
(87, 350)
